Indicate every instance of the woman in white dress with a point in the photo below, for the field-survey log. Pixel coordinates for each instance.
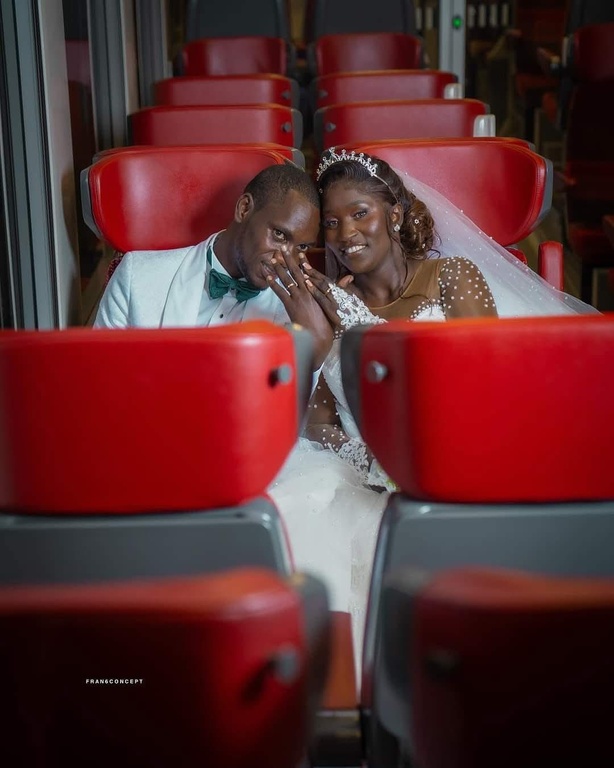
(399, 250)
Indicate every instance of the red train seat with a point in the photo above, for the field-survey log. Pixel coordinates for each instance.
(162, 672)
(246, 17)
(381, 85)
(589, 150)
(372, 120)
(510, 193)
(235, 56)
(217, 124)
(134, 453)
(149, 198)
(515, 668)
(354, 52)
(326, 17)
(490, 469)
(258, 88)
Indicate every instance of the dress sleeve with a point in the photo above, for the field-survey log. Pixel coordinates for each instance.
(464, 290)
(324, 427)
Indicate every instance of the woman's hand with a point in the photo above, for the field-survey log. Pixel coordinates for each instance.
(296, 293)
(321, 289)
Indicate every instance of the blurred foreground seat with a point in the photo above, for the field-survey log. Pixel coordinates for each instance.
(137, 453)
(494, 468)
(502, 667)
(160, 673)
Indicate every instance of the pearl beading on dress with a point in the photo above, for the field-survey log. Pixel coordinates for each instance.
(460, 271)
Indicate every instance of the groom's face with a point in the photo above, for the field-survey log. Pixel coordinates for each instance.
(290, 226)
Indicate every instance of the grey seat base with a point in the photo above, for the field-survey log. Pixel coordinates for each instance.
(65, 549)
(559, 539)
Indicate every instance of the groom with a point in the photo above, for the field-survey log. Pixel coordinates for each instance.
(250, 270)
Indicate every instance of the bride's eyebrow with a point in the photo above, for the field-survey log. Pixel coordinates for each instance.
(360, 201)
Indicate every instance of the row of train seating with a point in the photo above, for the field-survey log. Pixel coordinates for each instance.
(586, 78)
(136, 554)
(198, 108)
(491, 608)
(132, 199)
(375, 53)
(331, 53)
(321, 17)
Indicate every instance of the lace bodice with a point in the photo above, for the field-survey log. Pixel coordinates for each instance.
(347, 441)
(439, 288)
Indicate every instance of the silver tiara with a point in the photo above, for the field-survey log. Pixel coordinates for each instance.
(352, 157)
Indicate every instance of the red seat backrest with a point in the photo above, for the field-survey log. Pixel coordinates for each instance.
(354, 52)
(156, 198)
(372, 120)
(216, 124)
(225, 89)
(162, 672)
(503, 186)
(592, 56)
(143, 420)
(377, 85)
(516, 383)
(235, 56)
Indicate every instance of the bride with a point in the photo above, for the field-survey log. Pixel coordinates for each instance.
(396, 250)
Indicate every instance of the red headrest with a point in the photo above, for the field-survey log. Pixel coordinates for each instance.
(354, 52)
(593, 53)
(168, 197)
(144, 420)
(515, 410)
(501, 185)
(235, 56)
(216, 124)
(379, 85)
(152, 669)
(414, 119)
(225, 89)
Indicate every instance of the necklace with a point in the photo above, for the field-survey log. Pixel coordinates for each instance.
(405, 279)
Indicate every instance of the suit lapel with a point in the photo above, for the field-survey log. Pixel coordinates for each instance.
(186, 289)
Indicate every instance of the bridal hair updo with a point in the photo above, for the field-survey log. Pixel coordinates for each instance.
(417, 235)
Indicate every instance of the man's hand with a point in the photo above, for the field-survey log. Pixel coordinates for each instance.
(296, 292)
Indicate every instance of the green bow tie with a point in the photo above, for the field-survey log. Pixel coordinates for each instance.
(220, 284)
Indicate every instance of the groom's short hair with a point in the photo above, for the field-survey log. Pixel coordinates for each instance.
(273, 184)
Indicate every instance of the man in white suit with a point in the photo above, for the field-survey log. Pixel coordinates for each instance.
(250, 270)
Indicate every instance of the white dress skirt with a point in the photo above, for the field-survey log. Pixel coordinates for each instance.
(331, 516)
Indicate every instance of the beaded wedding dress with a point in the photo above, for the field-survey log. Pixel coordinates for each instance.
(323, 494)
(331, 514)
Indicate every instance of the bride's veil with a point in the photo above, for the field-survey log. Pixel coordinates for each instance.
(518, 290)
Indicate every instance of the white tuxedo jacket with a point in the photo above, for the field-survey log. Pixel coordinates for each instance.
(153, 289)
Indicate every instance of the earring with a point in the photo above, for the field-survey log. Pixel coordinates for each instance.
(397, 227)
